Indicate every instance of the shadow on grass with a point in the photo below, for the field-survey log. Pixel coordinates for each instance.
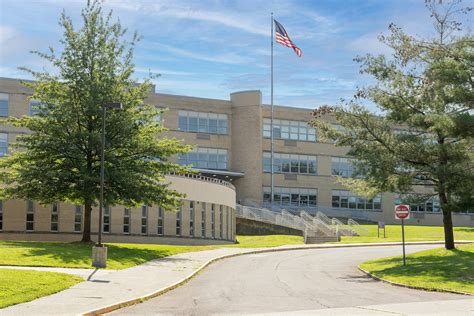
(454, 264)
(75, 253)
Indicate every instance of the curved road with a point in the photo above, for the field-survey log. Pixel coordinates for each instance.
(286, 281)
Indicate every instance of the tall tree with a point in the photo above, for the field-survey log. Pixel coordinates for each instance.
(422, 135)
(60, 159)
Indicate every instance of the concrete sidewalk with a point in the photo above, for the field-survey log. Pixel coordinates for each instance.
(108, 288)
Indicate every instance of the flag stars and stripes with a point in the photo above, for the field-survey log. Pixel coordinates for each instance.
(283, 38)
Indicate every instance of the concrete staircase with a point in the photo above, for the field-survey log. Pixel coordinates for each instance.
(321, 239)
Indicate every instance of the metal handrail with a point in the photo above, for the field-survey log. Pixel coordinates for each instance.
(203, 178)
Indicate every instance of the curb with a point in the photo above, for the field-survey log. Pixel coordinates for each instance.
(412, 286)
(137, 300)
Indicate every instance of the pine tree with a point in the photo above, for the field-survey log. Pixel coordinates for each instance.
(60, 159)
(422, 135)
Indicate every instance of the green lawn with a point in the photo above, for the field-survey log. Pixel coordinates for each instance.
(18, 286)
(436, 269)
(412, 233)
(120, 256)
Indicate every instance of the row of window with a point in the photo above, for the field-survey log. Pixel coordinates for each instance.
(430, 205)
(34, 105)
(205, 158)
(106, 219)
(347, 199)
(3, 144)
(291, 196)
(289, 163)
(291, 130)
(202, 122)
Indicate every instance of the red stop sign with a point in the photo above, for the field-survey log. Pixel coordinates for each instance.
(402, 211)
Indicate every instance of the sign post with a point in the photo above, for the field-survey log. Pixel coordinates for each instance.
(380, 226)
(402, 212)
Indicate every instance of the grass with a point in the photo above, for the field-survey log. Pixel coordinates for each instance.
(412, 233)
(120, 256)
(19, 286)
(436, 269)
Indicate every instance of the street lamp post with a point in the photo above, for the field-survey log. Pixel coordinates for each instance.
(99, 252)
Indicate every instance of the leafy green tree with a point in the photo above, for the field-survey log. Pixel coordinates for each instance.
(421, 139)
(60, 159)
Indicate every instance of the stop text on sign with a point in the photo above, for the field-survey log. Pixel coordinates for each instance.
(402, 211)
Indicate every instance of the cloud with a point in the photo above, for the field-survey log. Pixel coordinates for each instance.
(226, 58)
(163, 71)
(369, 43)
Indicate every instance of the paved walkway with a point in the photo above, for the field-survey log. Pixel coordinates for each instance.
(104, 289)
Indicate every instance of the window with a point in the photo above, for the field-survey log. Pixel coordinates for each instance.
(191, 218)
(285, 129)
(30, 215)
(213, 220)
(106, 220)
(78, 218)
(227, 216)
(160, 221)
(203, 220)
(343, 167)
(178, 223)
(54, 217)
(202, 122)
(347, 199)
(221, 219)
(126, 220)
(289, 163)
(144, 223)
(205, 158)
(35, 107)
(418, 203)
(3, 144)
(291, 197)
(159, 116)
(3, 104)
(1, 215)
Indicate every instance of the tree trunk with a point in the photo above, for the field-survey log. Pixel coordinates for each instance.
(86, 233)
(447, 222)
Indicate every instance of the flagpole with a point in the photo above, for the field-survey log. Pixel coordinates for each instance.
(271, 122)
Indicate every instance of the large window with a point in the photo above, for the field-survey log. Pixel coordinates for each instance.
(291, 196)
(203, 220)
(54, 217)
(221, 219)
(3, 104)
(78, 218)
(205, 158)
(161, 214)
(3, 144)
(191, 218)
(35, 107)
(343, 167)
(126, 220)
(1, 215)
(106, 220)
(30, 215)
(293, 130)
(202, 122)
(289, 163)
(213, 220)
(349, 200)
(419, 204)
(178, 223)
(144, 222)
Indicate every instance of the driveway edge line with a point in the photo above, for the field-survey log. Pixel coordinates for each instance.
(137, 300)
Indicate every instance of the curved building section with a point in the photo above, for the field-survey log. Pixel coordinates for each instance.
(207, 216)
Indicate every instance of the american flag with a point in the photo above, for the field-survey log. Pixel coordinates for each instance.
(283, 38)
